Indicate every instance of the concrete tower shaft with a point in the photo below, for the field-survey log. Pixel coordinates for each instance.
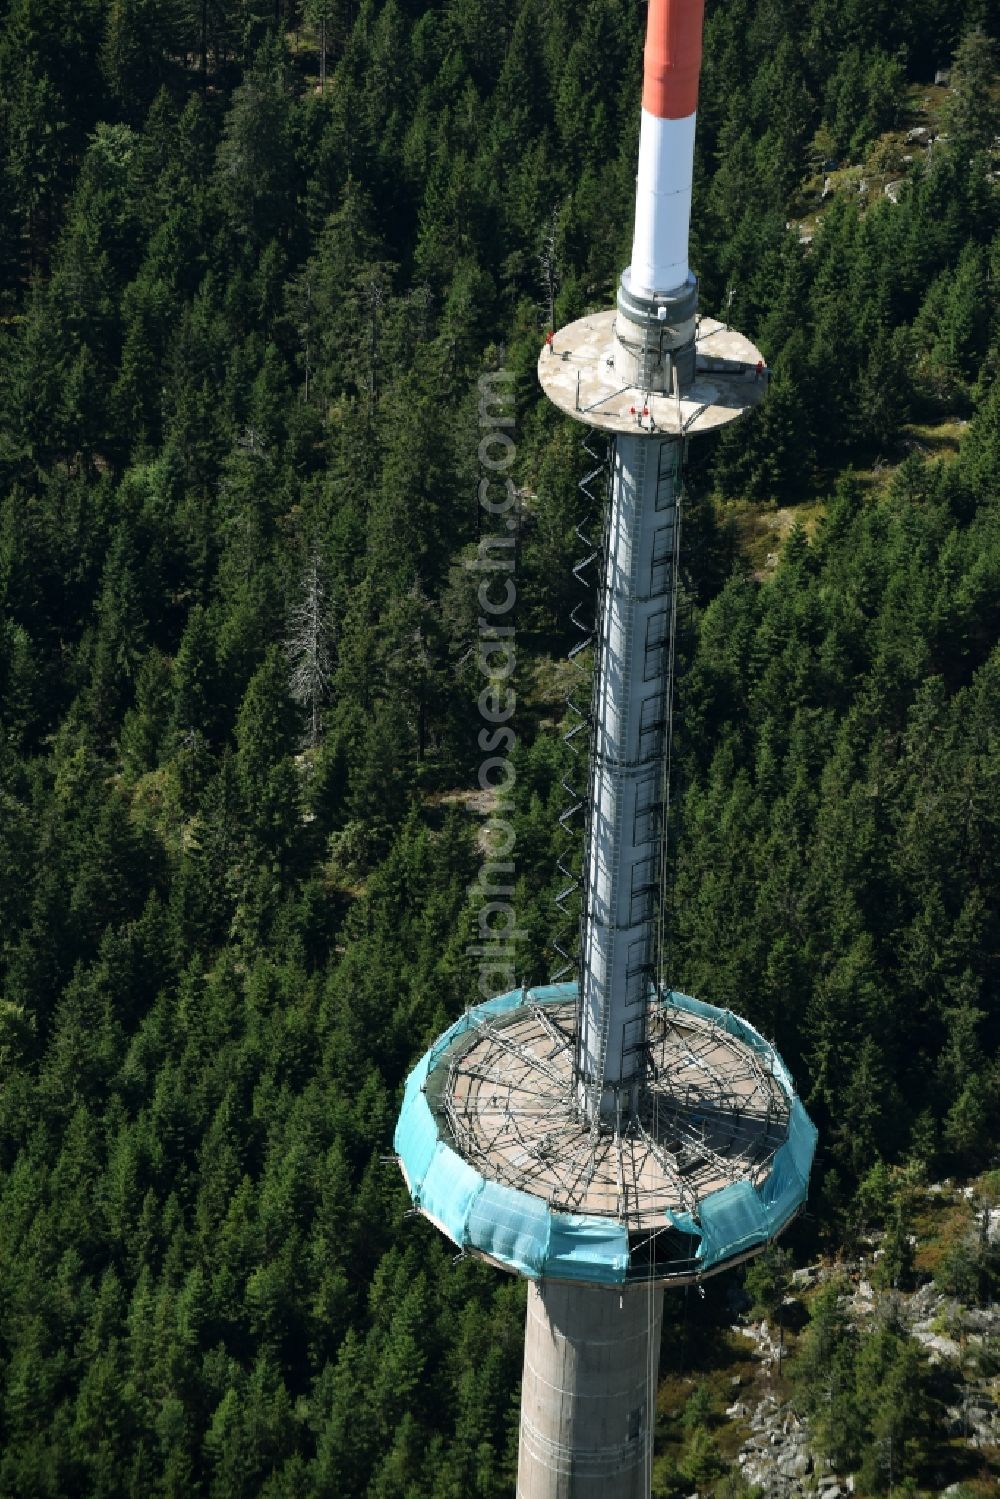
(631, 706)
(588, 1403)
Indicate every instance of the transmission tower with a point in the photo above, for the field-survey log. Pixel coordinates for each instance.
(609, 1137)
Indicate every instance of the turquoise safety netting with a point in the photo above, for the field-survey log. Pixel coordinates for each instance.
(735, 1026)
(578, 1243)
(500, 1005)
(511, 1227)
(417, 1136)
(448, 1192)
(739, 1217)
(523, 1233)
(788, 1181)
(730, 1221)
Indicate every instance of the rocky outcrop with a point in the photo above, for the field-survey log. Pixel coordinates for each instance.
(776, 1456)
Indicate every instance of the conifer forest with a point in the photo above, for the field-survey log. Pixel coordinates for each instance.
(256, 260)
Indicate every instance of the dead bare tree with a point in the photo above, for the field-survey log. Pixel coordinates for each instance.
(548, 260)
(309, 648)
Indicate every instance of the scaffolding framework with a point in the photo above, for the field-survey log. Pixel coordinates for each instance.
(495, 1151)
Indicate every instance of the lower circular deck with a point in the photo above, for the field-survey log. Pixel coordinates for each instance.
(712, 1113)
(714, 1163)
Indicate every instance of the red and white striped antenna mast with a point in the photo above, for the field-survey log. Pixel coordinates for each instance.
(671, 73)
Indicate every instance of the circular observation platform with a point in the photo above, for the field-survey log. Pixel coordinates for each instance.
(577, 373)
(495, 1153)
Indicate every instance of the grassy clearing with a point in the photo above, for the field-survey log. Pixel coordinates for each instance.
(940, 1223)
(939, 1226)
(935, 439)
(762, 532)
(942, 1220)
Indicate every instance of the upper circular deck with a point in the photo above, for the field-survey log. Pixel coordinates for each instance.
(713, 1113)
(577, 373)
(494, 1151)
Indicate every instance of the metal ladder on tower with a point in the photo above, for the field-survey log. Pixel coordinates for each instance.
(576, 800)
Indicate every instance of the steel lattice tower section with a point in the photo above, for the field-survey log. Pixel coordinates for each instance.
(609, 1137)
(643, 376)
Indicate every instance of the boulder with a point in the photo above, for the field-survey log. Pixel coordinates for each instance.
(795, 1465)
(924, 1300)
(992, 1226)
(943, 1347)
